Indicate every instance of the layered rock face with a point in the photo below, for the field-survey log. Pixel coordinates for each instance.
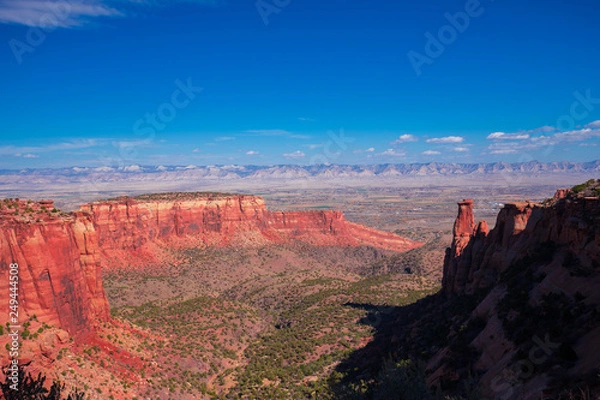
(477, 257)
(135, 231)
(538, 271)
(60, 278)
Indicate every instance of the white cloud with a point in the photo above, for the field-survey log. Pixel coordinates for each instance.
(133, 143)
(196, 151)
(431, 153)
(446, 140)
(504, 151)
(543, 129)
(274, 132)
(267, 132)
(533, 143)
(461, 149)
(252, 152)
(54, 14)
(73, 14)
(393, 153)
(295, 155)
(76, 144)
(224, 138)
(507, 136)
(314, 145)
(594, 125)
(133, 168)
(405, 139)
(369, 150)
(30, 156)
(306, 119)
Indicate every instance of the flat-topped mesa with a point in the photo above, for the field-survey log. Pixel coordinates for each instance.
(136, 231)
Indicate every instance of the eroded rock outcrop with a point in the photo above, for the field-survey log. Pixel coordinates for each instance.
(477, 257)
(536, 274)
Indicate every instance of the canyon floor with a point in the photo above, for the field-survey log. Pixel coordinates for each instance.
(276, 321)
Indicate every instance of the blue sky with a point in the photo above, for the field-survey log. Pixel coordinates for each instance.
(156, 82)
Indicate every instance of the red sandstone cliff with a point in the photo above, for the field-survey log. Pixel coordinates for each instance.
(477, 257)
(539, 271)
(60, 280)
(136, 231)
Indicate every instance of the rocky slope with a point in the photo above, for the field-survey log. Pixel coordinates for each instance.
(139, 231)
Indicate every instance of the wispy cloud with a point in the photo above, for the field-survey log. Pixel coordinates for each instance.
(252, 152)
(431, 153)
(461, 149)
(54, 14)
(507, 136)
(273, 132)
(73, 14)
(29, 155)
(132, 143)
(405, 139)
(306, 119)
(224, 138)
(369, 150)
(393, 153)
(296, 155)
(503, 151)
(594, 125)
(72, 145)
(521, 135)
(532, 143)
(446, 140)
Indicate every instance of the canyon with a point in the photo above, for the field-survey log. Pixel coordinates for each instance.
(62, 256)
(296, 277)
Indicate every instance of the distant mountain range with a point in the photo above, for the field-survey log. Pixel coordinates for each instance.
(322, 171)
